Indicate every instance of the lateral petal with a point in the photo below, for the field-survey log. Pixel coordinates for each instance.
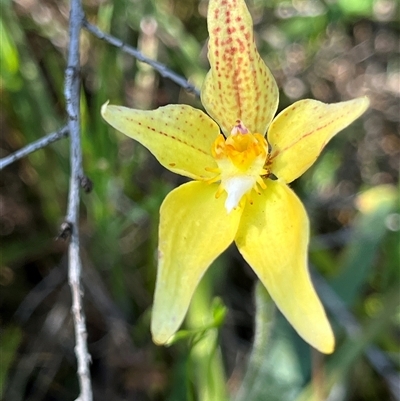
(239, 86)
(194, 229)
(179, 136)
(273, 238)
(300, 132)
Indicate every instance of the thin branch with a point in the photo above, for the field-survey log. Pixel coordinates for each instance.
(72, 98)
(63, 132)
(41, 291)
(33, 147)
(161, 68)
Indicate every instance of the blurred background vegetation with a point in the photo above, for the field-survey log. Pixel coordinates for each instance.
(330, 50)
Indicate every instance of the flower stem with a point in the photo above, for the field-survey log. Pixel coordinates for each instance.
(205, 354)
(263, 323)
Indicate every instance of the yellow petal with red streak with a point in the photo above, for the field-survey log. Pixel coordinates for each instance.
(239, 85)
(300, 132)
(179, 136)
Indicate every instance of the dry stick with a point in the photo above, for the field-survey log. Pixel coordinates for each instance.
(77, 179)
(72, 99)
(63, 132)
(161, 68)
(33, 147)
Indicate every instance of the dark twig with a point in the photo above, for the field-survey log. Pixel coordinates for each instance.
(72, 99)
(33, 147)
(45, 341)
(41, 291)
(161, 68)
(63, 132)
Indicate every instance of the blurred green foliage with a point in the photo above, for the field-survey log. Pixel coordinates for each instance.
(329, 50)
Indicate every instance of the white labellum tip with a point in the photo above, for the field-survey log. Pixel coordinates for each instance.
(235, 188)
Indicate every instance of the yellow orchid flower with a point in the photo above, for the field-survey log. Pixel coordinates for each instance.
(240, 190)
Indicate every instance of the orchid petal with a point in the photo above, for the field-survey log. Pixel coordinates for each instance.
(194, 229)
(239, 85)
(273, 238)
(179, 136)
(300, 132)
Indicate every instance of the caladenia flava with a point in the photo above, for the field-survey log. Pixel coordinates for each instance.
(240, 178)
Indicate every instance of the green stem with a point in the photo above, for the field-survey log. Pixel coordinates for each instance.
(205, 354)
(263, 323)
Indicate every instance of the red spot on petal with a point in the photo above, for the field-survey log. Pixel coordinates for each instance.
(233, 50)
(241, 45)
